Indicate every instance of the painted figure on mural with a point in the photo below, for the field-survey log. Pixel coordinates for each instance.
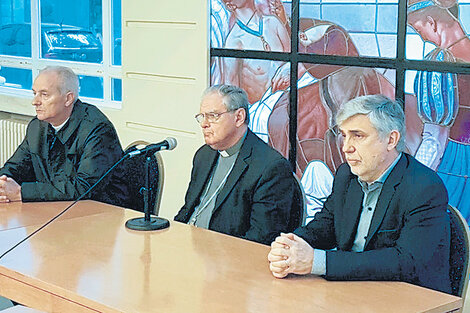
(442, 98)
(322, 90)
(222, 21)
(219, 20)
(315, 37)
(252, 30)
(437, 132)
(276, 8)
(318, 144)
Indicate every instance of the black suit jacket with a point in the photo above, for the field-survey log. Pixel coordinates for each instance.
(409, 236)
(260, 198)
(83, 150)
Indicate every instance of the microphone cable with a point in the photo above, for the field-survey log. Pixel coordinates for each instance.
(66, 209)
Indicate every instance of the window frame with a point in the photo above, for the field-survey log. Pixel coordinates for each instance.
(105, 70)
(400, 64)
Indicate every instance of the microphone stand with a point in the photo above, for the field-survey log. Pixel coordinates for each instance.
(147, 222)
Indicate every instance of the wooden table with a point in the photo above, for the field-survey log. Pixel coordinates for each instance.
(87, 261)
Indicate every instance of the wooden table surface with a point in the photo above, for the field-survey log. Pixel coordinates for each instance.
(18, 214)
(89, 262)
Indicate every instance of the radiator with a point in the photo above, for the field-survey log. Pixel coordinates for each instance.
(12, 133)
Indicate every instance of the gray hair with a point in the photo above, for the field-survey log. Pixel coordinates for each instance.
(233, 98)
(384, 114)
(68, 80)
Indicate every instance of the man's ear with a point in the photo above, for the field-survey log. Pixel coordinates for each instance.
(240, 117)
(69, 99)
(393, 139)
(431, 21)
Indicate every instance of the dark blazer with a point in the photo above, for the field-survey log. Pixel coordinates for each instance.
(260, 198)
(409, 236)
(63, 166)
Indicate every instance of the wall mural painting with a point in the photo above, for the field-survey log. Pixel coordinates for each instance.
(443, 98)
(438, 119)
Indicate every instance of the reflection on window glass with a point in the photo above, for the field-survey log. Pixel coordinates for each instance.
(14, 27)
(72, 30)
(70, 43)
(116, 32)
(91, 87)
(15, 78)
(117, 89)
(438, 130)
(15, 39)
(66, 31)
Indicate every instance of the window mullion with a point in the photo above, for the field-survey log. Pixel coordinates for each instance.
(35, 36)
(106, 9)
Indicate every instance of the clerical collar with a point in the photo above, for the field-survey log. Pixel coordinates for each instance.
(57, 128)
(233, 149)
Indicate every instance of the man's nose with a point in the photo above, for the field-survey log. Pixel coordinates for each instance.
(35, 101)
(347, 146)
(205, 123)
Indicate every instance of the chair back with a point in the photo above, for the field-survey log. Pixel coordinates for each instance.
(299, 206)
(459, 252)
(135, 174)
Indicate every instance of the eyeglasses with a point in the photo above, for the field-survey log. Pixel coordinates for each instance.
(210, 117)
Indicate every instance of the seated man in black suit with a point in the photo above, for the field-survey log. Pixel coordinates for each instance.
(68, 146)
(239, 185)
(386, 217)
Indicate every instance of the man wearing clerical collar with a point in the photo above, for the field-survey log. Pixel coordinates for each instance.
(386, 217)
(68, 146)
(239, 185)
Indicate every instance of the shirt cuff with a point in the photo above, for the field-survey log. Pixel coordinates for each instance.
(319, 262)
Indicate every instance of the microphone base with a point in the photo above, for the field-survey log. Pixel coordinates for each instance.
(155, 223)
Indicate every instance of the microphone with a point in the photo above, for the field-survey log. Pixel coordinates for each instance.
(147, 222)
(168, 144)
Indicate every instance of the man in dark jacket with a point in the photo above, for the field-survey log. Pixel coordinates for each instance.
(67, 148)
(386, 217)
(239, 185)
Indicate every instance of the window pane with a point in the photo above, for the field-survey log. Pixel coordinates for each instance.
(321, 37)
(438, 130)
(71, 30)
(15, 77)
(116, 32)
(117, 89)
(439, 46)
(91, 87)
(254, 76)
(15, 28)
(258, 87)
(256, 25)
(319, 151)
(348, 28)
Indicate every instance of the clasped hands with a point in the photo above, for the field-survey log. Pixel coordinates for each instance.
(290, 254)
(9, 189)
